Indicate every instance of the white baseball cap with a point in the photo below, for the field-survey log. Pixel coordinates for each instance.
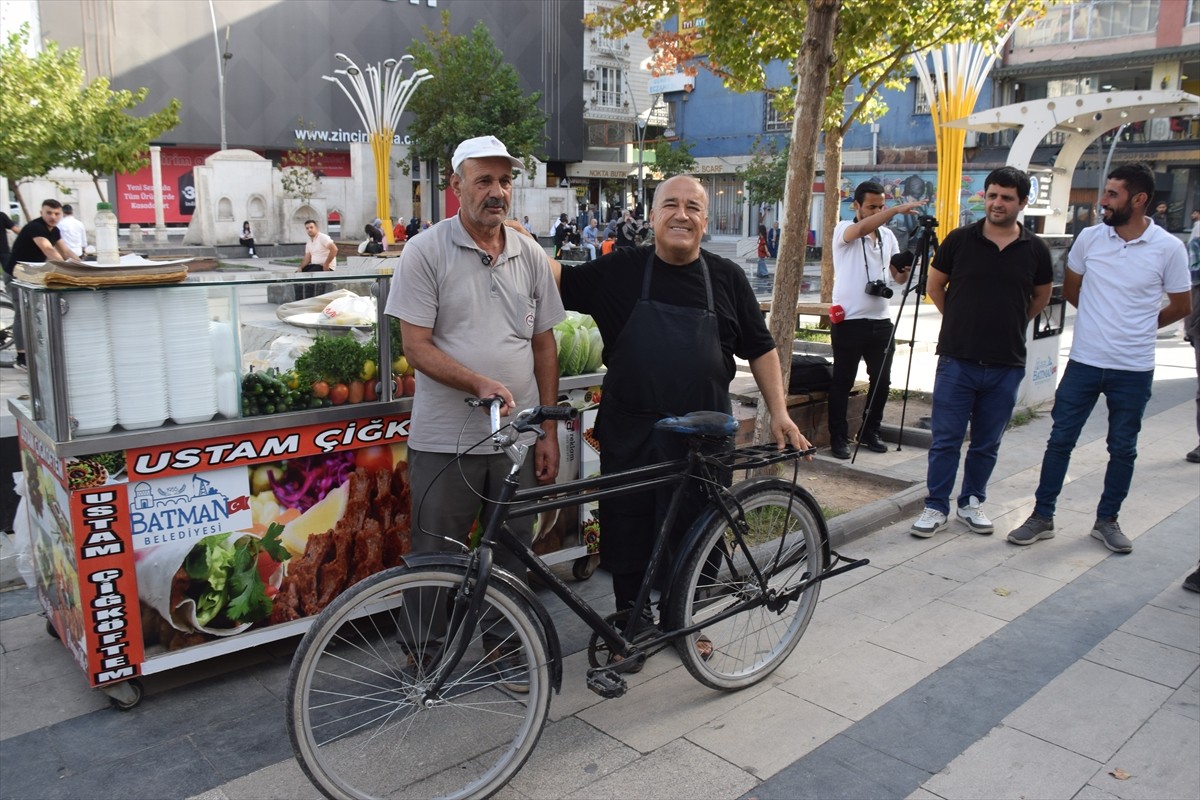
(483, 147)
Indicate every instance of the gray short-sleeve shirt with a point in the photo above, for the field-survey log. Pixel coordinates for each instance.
(483, 316)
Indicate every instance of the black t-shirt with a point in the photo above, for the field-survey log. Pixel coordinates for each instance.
(6, 225)
(987, 302)
(24, 248)
(609, 287)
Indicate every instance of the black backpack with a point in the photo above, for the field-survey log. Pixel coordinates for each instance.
(810, 374)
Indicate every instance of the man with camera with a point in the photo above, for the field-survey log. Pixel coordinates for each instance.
(865, 253)
(989, 280)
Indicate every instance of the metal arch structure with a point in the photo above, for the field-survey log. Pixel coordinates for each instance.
(1083, 119)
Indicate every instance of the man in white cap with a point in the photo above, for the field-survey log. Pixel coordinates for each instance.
(477, 306)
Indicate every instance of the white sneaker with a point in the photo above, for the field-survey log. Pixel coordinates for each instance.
(930, 522)
(972, 514)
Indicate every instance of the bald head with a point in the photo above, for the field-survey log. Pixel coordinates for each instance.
(679, 218)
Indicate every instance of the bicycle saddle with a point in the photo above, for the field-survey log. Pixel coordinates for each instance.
(699, 423)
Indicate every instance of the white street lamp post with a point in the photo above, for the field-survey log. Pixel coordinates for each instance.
(379, 104)
(222, 58)
(642, 123)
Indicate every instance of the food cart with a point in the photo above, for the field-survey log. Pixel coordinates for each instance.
(201, 475)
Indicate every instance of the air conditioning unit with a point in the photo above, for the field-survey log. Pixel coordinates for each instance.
(589, 75)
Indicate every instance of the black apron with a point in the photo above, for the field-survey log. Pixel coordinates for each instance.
(666, 361)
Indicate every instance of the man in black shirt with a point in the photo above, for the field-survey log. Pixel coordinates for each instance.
(38, 241)
(988, 280)
(672, 319)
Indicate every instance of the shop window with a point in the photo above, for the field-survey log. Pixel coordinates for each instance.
(1086, 20)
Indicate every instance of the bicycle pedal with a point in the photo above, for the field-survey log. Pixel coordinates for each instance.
(606, 683)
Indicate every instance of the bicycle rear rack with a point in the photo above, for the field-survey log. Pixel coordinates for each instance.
(756, 456)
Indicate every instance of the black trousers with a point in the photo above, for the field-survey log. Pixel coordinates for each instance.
(857, 340)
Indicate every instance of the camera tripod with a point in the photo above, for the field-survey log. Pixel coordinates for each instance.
(918, 276)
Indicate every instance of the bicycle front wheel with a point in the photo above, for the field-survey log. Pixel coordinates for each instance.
(360, 718)
(784, 545)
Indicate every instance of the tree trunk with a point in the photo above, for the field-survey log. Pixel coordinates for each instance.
(99, 191)
(812, 66)
(833, 208)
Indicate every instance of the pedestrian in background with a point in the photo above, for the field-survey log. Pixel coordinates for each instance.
(1116, 276)
(988, 280)
(39, 240)
(246, 240)
(73, 231)
(762, 252)
(320, 255)
(773, 240)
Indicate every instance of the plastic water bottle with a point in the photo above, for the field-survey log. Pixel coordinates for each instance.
(107, 250)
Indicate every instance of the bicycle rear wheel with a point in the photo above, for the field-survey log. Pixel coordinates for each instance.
(785, 544)
(358, 716)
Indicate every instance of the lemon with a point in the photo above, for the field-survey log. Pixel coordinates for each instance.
(318, 519)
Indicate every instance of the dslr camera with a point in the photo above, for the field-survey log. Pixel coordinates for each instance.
(878, 288)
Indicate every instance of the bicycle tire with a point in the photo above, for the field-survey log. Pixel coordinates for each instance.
(357, 719)
(788, 537)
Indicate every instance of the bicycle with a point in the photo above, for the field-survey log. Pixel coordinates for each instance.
(373, 713)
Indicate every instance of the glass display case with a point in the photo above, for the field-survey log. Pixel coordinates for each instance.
(218, 349)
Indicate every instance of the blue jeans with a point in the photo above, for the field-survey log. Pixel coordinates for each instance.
(1126, 394)
(762, 268)
(968, 392)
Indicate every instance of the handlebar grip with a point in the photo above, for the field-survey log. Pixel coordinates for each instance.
(557, 412)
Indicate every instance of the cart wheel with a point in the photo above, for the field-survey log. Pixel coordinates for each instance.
(51, 630)
(125, 695)
(585, 567)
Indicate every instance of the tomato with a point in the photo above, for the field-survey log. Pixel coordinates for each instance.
(266, 567)
(397, 386)
(373, 458)
(339, 393)
(410, 385)
(320, 389)
(270, 591)
(371, 391)
(355, 392)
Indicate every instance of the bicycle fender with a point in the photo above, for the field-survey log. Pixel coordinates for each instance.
(710, 513)
(549, 632)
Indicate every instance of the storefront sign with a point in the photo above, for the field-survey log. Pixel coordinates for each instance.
(111, 621)
(677, 82)
(600, 169)
(184, 458)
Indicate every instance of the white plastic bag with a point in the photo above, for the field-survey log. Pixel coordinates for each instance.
(351, 310)
(21, 534)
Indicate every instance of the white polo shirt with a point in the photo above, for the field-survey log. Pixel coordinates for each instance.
(1122, 292)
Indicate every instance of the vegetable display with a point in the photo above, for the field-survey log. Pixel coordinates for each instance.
(580, 348)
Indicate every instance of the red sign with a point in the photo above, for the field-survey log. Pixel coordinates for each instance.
(254, 448)
(112, 623)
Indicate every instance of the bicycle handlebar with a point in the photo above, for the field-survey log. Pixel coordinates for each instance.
(527, 420)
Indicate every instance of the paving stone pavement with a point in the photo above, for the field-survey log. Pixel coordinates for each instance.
(953, 667)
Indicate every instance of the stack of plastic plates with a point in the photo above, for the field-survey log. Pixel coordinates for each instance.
(135, 330)
(91, 389)
(191, 374)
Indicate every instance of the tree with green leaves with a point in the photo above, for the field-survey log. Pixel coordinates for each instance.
(104, 138)
(766, 173)
(473, 92)
(673, 159)
(736, 39)
(49, 117)
(35, 108)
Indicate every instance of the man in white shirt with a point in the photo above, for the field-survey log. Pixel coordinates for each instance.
(320, 255)
(74, 234)
(1116, 276)
(862, 259)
